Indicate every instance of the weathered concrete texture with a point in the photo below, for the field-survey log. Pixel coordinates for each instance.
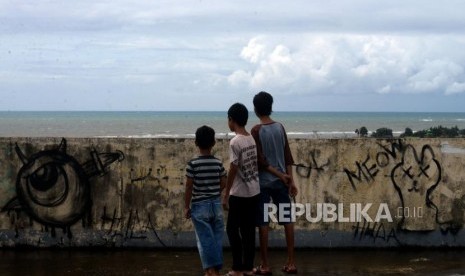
(129, 192)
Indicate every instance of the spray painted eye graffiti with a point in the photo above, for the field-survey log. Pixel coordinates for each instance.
(54, 189)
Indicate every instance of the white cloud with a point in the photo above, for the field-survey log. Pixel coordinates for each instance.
(254, 51)
(455, 88)
(182, 47)
(238, 77)
(435, 75)
(352, 64)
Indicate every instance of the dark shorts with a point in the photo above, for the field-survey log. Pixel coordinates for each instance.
(277, 193)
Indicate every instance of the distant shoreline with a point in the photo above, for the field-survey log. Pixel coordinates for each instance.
(182, 124)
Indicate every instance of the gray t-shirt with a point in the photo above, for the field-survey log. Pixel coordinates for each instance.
(273, 150)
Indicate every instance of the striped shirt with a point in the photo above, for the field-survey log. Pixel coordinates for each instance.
(206, 171)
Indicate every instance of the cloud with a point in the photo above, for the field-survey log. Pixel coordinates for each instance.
(353, 64)
(171, 49)
(455, 88)
(436, 75)
(253, 51)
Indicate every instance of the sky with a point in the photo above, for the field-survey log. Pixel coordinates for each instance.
(358, 55)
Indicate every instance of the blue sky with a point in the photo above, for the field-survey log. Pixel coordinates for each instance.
(358, 55)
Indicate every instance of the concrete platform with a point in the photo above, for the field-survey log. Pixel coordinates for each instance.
(186, 262)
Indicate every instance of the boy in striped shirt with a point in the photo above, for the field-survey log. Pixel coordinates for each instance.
(205, 179)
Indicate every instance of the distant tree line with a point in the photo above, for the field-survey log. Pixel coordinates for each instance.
(432, 132)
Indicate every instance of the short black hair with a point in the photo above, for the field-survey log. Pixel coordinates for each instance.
(239, 114)
(205, 137)
(263, 103)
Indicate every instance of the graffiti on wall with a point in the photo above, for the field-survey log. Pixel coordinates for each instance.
(368, 169)
(415, 177)
(313, 164)
(415, 174)
(53, 188)
(160, 175)
(374, 232)
(130, 228)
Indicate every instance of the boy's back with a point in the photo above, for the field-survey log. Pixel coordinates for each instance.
(273, 149)
(206, 172)
(243, 153)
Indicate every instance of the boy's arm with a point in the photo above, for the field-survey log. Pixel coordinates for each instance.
(231, 175)
(188, 197)
(223, 178)
(284, 177)
(292, 188)
(289, 162)
(223, 181)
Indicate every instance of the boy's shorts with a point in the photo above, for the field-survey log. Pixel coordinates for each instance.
(279, 193)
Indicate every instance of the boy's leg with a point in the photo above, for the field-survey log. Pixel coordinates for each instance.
(263, 228)
(289, 231)
(263, 234)
(218, 231)
(211, 272)
(248, 232)
(206, 244)
(232, 229)
(280, 195)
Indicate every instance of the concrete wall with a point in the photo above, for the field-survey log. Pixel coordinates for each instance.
(129, 192)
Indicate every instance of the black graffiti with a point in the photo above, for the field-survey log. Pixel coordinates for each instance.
(417, 173)
(396, 147)
(161, 171)
(306, 170)
(375, 232)
(99, 163)
(53, 188)
(132, 228)
(367, 170)
(140, 178)
(161, 175)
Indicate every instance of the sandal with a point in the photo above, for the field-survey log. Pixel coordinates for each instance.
(260, 271)
(289, 270)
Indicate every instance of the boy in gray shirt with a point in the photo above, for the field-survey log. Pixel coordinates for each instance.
(275, 176)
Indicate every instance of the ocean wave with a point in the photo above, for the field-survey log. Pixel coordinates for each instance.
(229, 135)
(426, 120)
(148, 136)
(322, 134)
(460, 120)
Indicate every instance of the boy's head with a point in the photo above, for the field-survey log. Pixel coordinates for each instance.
(239, 114)
(205, 137)
(263, 103)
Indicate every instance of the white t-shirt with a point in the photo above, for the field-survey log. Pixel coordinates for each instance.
(243, 153)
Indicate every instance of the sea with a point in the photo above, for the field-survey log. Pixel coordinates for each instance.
(182, 124)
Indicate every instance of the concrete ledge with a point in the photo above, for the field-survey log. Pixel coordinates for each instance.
(122, 192)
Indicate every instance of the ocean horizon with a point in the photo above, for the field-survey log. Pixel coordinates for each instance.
(166, 124)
